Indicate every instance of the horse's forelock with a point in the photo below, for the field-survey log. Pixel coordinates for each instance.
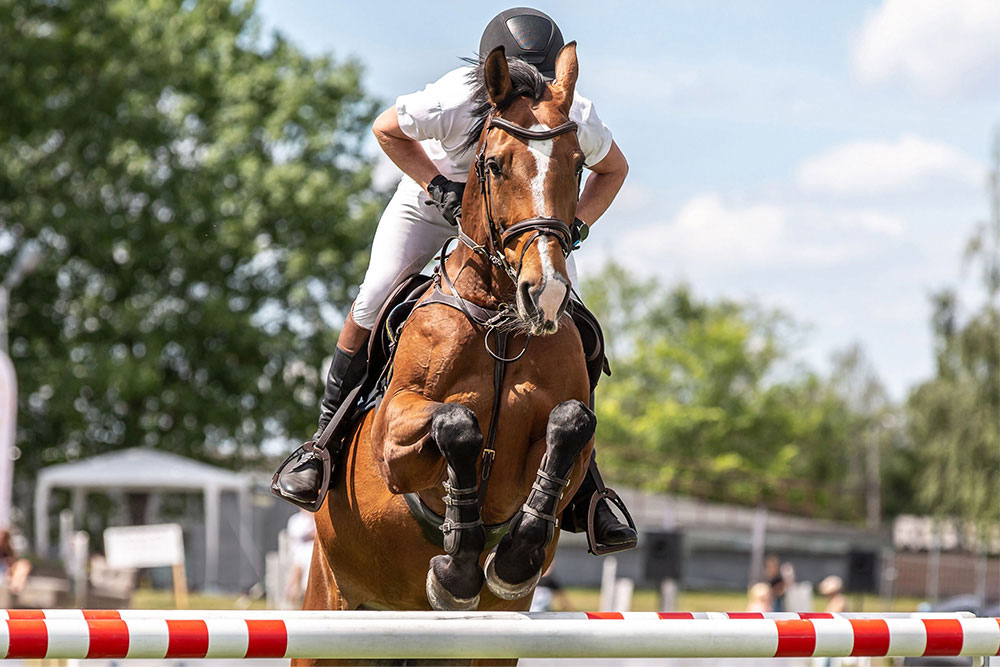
(525, 79)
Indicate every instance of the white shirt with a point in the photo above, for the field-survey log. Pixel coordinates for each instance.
(440, 117)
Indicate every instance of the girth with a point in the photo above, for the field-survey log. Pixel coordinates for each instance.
(431, 522)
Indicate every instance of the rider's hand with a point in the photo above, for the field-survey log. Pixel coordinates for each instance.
(447, 197)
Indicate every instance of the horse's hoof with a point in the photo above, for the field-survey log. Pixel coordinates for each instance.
(442, 600)
(501, 588)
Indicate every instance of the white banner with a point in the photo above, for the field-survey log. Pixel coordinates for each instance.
(144, 546)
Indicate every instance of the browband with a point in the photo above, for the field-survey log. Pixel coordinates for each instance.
(524, 133)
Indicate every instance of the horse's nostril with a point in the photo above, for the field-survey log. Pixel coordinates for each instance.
(525, 293)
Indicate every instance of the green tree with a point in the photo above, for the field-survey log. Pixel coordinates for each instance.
(205, 206)
(955, 416)
(706, 398)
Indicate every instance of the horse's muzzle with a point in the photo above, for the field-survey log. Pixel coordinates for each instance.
(542, 305)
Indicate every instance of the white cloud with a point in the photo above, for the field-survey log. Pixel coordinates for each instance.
(883, 167)
(711, 236)
(873, 221)
(943, 48)
(706, 229)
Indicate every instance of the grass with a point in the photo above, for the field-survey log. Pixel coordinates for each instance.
(583, 599)
(148, 598)
(588, 599)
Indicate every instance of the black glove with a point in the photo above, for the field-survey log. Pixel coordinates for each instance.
(579, 231)
(447, 197)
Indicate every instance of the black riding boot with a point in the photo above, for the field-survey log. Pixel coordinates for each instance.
(300, 480)
(609, 531)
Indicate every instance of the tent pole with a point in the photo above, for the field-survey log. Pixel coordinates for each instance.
(78, 506)
(41, 518)
(211, 537)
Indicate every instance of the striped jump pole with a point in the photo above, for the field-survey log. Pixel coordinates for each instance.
(263, 634)
(291, 614)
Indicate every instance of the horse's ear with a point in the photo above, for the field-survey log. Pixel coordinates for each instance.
(567, 70)
(498, 84)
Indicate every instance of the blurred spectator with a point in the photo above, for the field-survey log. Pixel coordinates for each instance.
(760, 597)
(13, 570)
(549, 591)
(832, 589)
(301, 531)
(774, 579)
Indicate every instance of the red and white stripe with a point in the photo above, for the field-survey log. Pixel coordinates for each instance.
(284, 634)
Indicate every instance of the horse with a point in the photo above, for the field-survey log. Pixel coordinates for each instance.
(427, 435)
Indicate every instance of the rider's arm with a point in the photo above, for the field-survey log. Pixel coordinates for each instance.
(406, 153)
(602, 185)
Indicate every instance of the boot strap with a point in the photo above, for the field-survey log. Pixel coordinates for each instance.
(455, 496)
(456, 492)
(551, 518)
(552, 478)
(557, 494)
(455, 502)
(448, 525)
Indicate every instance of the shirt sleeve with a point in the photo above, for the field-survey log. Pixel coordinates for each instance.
(436, 112)
(594, 136)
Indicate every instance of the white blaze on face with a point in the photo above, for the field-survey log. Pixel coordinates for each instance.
(555, 285)
(554, 290)
(542, 151)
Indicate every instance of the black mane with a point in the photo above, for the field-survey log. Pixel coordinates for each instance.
(527, 81)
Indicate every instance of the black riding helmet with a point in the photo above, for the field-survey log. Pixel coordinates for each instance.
(527, 34)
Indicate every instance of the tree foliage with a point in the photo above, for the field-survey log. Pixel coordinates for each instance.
(705, 398)
(955, 416)
(204, 202)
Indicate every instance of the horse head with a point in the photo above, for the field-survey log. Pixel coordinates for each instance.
(529, 164)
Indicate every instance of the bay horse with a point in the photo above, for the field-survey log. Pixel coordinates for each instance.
(427, 435)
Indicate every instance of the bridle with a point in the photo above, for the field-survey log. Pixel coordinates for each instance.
(541, 226)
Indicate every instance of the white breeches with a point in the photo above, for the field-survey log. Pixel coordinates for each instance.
(409, 234)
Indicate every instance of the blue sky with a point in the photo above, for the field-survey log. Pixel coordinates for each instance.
(828, 159)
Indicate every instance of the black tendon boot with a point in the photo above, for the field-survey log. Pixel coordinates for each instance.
(610, 534)
(300, 478)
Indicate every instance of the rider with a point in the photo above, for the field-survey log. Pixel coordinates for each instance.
(424, 135)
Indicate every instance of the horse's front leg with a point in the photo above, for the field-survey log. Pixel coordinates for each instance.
(515, 567)
(411, 439)
(455, 579)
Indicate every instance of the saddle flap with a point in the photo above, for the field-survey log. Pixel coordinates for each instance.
(592, 337)
(382, 345)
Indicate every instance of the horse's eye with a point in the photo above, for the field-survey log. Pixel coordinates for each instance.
(494, 167)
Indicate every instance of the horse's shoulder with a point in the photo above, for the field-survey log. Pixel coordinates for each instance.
(431, 345)
(435, 330)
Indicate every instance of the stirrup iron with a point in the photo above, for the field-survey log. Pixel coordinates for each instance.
(326, 465)
(592, 544)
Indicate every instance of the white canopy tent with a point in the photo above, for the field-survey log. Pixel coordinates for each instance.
(143, 469)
